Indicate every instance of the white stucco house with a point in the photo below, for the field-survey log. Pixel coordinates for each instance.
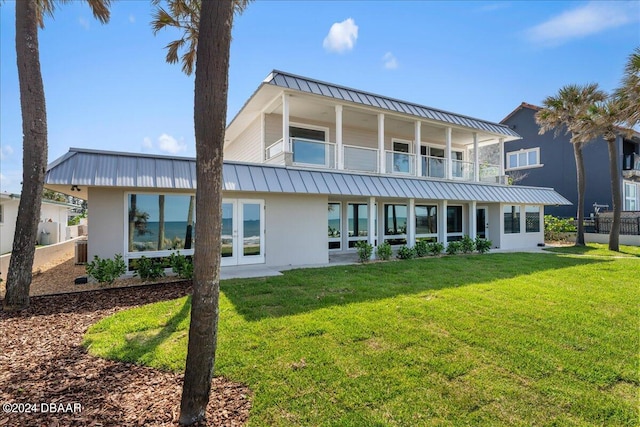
(52, 226)
(310, 169)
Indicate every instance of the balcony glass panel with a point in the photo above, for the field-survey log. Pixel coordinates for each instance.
(433, 167)
(360, 159)
(311, 152)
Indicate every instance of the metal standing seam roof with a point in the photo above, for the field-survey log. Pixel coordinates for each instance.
(114, 169)
(304, 84)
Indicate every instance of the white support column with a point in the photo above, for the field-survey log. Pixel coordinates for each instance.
(411, 223)
(476, 158)
(285, 123)
(263, 142)
(442, 222)
(473, 226)
(339, 151)
(381, 153)
(502, 159)
(447, 154)
(371, 215)
(417, 136)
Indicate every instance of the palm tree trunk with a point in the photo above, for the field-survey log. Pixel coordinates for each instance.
(132, 220)
(211, 84)
(616, 194)
(577, 152)
(34, 156)
(160, 222)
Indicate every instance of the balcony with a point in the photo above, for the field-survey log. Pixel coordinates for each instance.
(323, 154)
(631, 165)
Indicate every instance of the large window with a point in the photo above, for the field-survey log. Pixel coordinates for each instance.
(160, 222)
(511, 219)
(630, 196)
(454, 223)
(395, 224)
(523, 158)
(532, 219)
(426, 222)
(334, 225)
(358, 222)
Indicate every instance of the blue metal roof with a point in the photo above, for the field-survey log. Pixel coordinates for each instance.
(114, 169)
(330, 90)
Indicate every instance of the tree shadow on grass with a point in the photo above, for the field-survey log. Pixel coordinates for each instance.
(595, 251)
(305, 290)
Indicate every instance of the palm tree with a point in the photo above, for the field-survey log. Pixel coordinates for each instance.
(209, 46)
(30, 15)
(563, 112)
(629, 93)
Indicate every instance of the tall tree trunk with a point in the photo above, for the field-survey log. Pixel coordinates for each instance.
(160, 222)
(34, 155)
(189, 235)
(577, 152)
(132, 220)
(616, 195)
(211, 84)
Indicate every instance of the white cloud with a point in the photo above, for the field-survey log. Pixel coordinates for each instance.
(5, 151)
(592, 18)
(342, 36)
(390, 61)
(169, 144)
(147, 144)
(83, 23)
(165, 143)
(132, 19)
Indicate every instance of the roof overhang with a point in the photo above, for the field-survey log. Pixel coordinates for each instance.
(91, 168)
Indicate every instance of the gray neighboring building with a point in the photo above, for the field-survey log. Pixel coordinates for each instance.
(548, 161)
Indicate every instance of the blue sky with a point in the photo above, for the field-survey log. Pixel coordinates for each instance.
(108, 86)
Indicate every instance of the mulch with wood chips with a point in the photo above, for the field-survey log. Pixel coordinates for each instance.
(42, 362)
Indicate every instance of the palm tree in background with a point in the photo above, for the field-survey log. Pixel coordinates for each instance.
(564, 112)
(600, 120)
(207, 47)
(629, 92)
(29, 16)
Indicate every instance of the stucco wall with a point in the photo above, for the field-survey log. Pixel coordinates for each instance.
(523, 239)
(106, 228)
(8, 225)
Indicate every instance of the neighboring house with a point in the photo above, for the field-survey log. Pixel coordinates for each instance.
(546, 160)
(52, 226)
(311, 168)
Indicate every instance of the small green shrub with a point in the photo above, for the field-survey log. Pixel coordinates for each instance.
(435, 248)
(106, 270)
(483, 245)
(149, 269)
(422, 248)
(365, 250)
(467, 245)
(383, 251)
(181, 265)
(405, 252)
(554, 227)
(453, 248)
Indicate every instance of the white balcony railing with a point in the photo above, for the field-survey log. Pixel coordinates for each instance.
(400, 163)
(489, 173)
(462, 170)
(323, 154)
(274, 149)
(360, 159)
(434, 167)
(310, 152)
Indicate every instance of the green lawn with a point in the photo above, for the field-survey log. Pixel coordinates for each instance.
(596, 249)
(500, 339)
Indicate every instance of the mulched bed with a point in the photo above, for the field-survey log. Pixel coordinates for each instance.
(42, 362)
